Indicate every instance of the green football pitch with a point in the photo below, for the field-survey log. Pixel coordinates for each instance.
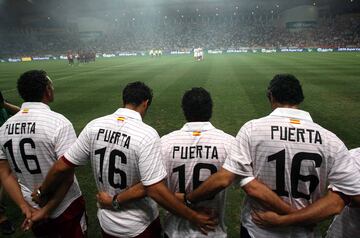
(237, 83)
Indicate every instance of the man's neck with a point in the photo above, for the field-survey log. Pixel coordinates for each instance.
(281, 105)
(134, 108)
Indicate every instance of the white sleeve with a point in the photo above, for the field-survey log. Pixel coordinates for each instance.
(2, 154)
(239, 160)
(355, 153)
(64, 138)
(344, 174)
(79, 152)
(150, 163)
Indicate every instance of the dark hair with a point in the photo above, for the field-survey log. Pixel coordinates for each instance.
(2, 100)
(286, 88)
(32, 84)
(137, 92)
(197, 105)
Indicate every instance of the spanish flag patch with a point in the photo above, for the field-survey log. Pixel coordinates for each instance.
(120, 118)
(295, 121)
(25, 110)
(196, 133)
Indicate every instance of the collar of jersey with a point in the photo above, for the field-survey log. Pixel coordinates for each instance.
(291, 113)
(128, 113)
(34, 105)
(197, 126)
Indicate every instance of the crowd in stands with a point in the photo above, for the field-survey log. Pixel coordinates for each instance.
(340, 31)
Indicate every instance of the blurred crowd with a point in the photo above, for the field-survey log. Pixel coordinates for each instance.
(229, 33)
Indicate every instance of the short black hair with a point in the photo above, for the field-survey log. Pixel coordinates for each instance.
(286, 88)
(197, 105)
(2, 100)
(32, 85)
(137, 92)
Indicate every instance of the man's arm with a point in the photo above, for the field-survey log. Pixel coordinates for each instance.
(355, 201)
(61, 171)
(266, 197)
(212, 186)
(222, 179)
(54, 201)
(133, 193)
(331, 204)
(12, 187)
(11, 108)
(162, 195)
(8, 106)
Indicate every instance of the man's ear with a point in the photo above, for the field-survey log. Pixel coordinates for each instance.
(146, 103)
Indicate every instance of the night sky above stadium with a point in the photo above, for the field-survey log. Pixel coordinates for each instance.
(12, 12)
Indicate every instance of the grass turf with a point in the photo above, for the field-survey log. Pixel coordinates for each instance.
(237, 84)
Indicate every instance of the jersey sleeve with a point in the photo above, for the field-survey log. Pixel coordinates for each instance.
(239, 160)
(79, 152)
(164, 152)
(344, 174)
(150, 163)
(64, 138)
(355, 153)
(2, 154)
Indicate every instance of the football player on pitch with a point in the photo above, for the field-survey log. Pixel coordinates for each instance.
(31, 142)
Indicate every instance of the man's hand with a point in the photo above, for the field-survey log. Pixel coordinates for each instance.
(266, 219)
(104, 200)
(205, 223)
(27, 210)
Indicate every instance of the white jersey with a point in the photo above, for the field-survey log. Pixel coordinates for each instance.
(32, 140)
(347, 223)
(190, 156)
(196, 53)
(123, 152)
(297, 159)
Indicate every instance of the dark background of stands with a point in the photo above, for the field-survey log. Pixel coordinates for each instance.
(40, 27)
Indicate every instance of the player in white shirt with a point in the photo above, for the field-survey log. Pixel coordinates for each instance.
(344, 225)
(291, 154)
(191, 155)
(31, 141)
(347, 224)
(124, 151)
(196, 53)
(201, 54)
